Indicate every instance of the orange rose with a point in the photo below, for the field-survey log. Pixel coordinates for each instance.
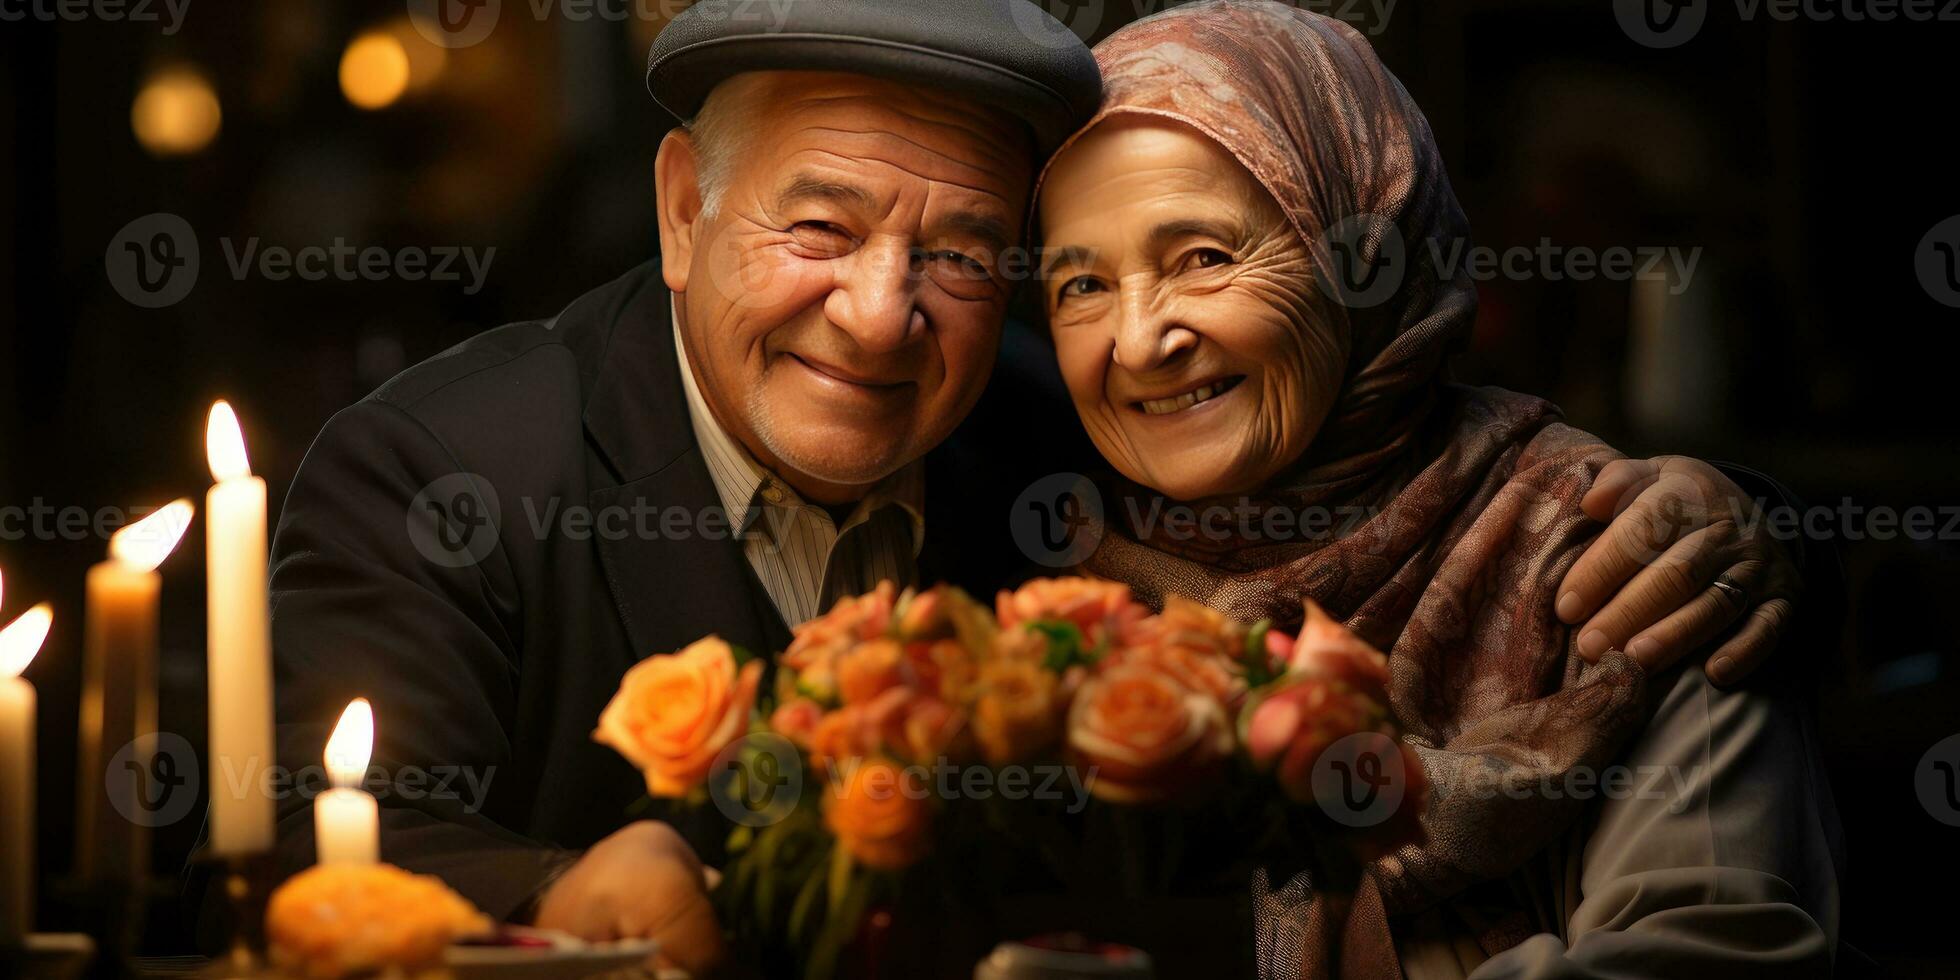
(1288, 728)
(1325, 648)
(1099, 608)
(1016, 714)
(843, 734)
(880, 814)
(809, 665)
(914, 726)
(1146, 735)
(869, 669)
(797, 720)
(673, 713)
(1196, 644)
(942, 667)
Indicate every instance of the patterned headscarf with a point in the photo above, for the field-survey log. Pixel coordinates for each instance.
(1472, 495)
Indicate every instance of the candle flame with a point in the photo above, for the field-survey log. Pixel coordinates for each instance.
(22, 639)
(224, 444)
(352, 744)
(145, 544)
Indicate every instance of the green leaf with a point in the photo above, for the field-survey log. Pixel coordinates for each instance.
(805, 907)
(1258, 667)
(846, 918)
(1066, 645)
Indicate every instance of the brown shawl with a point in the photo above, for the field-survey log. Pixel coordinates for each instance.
(1473, 493)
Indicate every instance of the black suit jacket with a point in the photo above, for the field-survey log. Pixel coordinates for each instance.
(432, 556)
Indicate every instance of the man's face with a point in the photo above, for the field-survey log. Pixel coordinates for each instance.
(842, 305)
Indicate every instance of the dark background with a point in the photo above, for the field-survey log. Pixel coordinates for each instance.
(1806, 159)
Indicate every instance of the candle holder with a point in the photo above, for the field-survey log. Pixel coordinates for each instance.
(111, 910)
(247, 884)
(48, 956)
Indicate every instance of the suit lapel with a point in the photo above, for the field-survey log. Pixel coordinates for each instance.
(671, 583)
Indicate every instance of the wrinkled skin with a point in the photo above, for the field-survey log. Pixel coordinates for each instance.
(843, 305)
(1168, 268)
(1172, 270)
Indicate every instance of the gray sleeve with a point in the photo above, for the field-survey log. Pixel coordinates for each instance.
(1713, 856)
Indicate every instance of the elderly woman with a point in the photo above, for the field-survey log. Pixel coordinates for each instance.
(1242, 287)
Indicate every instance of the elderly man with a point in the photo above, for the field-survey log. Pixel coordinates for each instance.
(722, 441)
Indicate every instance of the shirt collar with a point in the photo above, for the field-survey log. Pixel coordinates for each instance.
(745, 487)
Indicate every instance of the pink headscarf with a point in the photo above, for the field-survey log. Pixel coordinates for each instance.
(1474, 493)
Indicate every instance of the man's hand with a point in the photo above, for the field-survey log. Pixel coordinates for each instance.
(1679, 570)
(641, 882)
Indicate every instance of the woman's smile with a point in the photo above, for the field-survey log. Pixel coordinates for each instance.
(1203, 394)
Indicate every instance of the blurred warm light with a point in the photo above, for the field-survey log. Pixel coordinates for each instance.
(145, 544)
(175, 113)
(352, 744)
(224, 444)
(22, 639)
(425, 60)
(374, 70)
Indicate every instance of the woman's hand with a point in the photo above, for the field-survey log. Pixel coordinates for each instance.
(1684, 559)
(643, 882)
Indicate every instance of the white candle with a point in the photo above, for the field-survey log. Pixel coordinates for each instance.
(240, 645)
(119, 693)
(18, 644)
(346, 820)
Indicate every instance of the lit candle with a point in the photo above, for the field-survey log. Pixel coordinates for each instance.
(240, 645)
(119, 694)
(18, 645)
(346, 821)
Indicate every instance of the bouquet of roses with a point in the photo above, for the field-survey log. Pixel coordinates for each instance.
(835, 775)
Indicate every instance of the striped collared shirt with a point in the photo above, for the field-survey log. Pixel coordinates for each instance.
(804, 560)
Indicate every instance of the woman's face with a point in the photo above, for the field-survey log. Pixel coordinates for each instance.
(1183, 309)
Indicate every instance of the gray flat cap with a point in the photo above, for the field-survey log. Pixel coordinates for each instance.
(1004, 53)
